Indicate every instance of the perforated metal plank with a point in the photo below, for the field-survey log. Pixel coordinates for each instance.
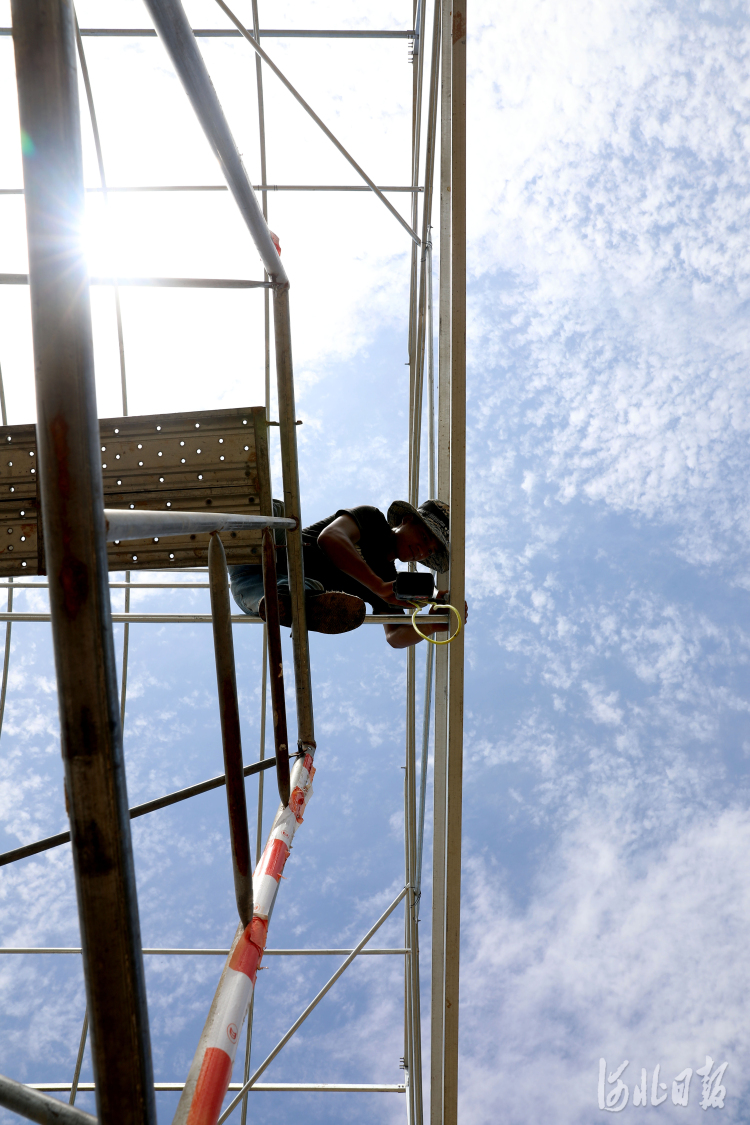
(183, 462)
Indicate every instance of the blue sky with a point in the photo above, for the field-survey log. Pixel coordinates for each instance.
(605, 903)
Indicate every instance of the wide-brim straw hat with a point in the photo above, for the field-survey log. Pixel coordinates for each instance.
(435, 515)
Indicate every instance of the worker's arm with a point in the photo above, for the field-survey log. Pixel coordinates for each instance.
(404, 636)
(339, 541)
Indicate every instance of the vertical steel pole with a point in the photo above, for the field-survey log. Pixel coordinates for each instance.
(416, 126)
(9, 624)
(276, 667)
(267, 399)
(457, 584)
(290, 473)
(176, 33)
(426, 711)
(79, 1058)
(6, 656)
(409, 838)
(120, 334)
(440, 769)
(73, 517)
(229, 713)
(425, 262)
(272, 628)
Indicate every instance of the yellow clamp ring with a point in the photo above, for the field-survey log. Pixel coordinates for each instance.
(424, 636)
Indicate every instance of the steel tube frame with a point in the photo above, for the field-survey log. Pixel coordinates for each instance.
(413, 848)
(231, 742)
(36, 1106)
(138, 810)
(71, 488)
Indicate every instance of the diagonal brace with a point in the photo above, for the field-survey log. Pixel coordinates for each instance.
(313, 1004)
(40, 1107)
(308, 109)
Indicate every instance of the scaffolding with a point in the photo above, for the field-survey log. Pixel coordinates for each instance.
(49, 50)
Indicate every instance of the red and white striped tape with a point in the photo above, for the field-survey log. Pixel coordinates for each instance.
(211, 1069)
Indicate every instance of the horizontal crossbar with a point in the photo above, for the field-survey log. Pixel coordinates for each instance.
(156, 282)
(223, 187)
(124, 524)
(212, 952)
(114, 586)
(260, 1087)
(230, 33)
(203, 618)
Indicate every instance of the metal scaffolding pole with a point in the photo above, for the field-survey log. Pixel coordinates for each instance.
(425, 262)
(226, 33)
(267, 401)
(229, 711)
(174, 29)
(120, 334)
(223, 187)
(39, 1107)
(457, 583)
(9, 626)
(437, 1012)
(72, 498)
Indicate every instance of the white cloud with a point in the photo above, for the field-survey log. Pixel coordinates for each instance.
(609, 958)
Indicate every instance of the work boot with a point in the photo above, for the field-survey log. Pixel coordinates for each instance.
(330, 612)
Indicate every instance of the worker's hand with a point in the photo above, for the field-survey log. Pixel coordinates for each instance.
(449, 619)
(385, 591)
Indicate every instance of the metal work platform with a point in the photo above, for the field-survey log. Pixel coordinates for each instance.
(169, 462)
(65, 483)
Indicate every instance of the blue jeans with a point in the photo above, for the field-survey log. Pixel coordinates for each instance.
(247, 586)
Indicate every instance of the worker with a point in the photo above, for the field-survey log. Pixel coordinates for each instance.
(349, 560)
